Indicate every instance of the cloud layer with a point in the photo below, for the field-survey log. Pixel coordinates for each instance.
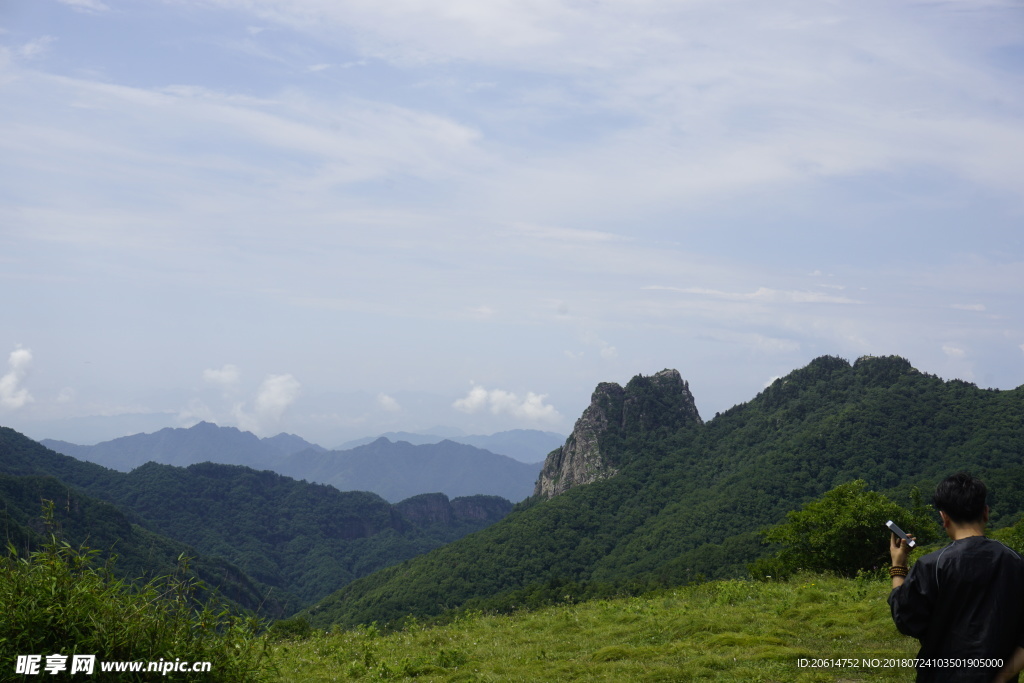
(398, 197)
(12, 394)
(500, 402)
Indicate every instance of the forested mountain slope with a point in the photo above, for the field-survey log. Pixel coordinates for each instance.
(302, 540)
(80, 519)
(686, 497)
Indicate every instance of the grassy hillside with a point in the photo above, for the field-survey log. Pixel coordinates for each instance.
(688, 502)
(724, 631)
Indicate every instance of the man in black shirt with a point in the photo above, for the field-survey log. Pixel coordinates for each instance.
(964, 602)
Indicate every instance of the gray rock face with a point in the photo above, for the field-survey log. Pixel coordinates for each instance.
(646, 404)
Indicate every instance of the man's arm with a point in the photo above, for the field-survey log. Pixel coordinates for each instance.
(912, 596)
(1012, 668)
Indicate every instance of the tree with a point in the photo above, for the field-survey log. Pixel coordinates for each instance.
(842, 532)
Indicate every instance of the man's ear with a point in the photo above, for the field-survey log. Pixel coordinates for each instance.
(984, 517)
(946, 519)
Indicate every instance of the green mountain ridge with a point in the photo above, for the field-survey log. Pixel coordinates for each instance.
(687, 498)
(139, 554)
(296, 540)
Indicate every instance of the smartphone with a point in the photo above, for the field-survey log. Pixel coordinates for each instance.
(899, 532)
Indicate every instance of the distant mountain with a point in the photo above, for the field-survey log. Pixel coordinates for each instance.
(399, 470)
(300, 539)
(416, 439)
(204, 442)
(525, 445)
(393, 470)
(645, 493)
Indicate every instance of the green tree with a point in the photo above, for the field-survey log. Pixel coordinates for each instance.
(842, 532)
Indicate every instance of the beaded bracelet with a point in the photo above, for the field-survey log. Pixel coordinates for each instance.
(897, 571)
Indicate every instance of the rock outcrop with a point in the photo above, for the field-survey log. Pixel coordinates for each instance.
(647, 405)
(435, 508)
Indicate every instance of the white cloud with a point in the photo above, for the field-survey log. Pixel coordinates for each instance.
(276, 394)
(953, 351)
(388, 403)
(12, 394)
(474, 401)
(482, 312)
(196, 411)
(226, 377)
(572, 235)
(501, 402)
(36, 48)
(762, 294)
(86, 5)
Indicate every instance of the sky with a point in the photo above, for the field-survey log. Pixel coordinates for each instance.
(337, 218)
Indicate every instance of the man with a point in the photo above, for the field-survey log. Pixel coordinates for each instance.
(965, 601)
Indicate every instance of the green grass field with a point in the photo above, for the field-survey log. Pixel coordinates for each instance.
(721, 631)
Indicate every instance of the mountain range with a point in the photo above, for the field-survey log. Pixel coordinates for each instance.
(203, 442)
(645, 493)
(393, 470)
(525, 445)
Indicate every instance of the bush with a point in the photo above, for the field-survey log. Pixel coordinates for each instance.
(1012, 536)
(55, 602)
(843, 532)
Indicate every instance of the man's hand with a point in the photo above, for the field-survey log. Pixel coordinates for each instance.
(899, 551)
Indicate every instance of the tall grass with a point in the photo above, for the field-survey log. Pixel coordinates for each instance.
(58, 601)
(719, 631)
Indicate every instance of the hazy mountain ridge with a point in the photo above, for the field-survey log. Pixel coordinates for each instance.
(394, 470)
(399, 470)
(689, 497)
(202, 442)
(525, 445)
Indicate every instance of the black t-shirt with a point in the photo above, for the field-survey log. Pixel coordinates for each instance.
(965, 601)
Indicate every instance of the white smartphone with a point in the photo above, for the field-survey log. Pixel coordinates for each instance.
(899, 532)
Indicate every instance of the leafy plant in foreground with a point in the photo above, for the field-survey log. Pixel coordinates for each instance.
(56, 602)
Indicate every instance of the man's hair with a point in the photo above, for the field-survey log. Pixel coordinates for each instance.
(962, 497)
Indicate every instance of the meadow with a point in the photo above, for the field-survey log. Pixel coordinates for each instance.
(721, 630)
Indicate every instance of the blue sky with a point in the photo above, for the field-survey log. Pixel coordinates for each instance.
(340, 217)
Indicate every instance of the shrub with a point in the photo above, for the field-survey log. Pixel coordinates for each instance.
(842, 532)
(56, 602)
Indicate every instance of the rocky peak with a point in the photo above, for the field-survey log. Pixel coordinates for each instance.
(646, 407)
